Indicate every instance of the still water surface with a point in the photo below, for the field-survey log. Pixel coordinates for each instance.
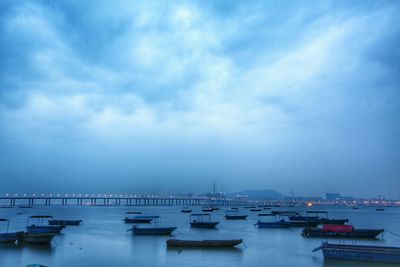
(103, 240)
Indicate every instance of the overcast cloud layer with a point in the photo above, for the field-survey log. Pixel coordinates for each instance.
(170, 96)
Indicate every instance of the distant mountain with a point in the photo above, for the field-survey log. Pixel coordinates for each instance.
(266, 194)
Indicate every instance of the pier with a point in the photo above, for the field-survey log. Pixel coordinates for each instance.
(128, 200)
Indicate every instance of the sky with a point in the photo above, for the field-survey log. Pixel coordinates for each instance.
(171, 96)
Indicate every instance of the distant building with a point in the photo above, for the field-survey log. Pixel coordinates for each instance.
(333, 196)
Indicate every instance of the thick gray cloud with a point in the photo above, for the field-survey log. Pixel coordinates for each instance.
(149, 96)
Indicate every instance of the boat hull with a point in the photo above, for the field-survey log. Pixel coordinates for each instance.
(235, 217)
(361, 253)
(40, 229)
(279, 224)
(356, 233)
(141, 220)
(203, 243)
(11, 237)
(153, 230)
(204, 224)
(34, 238)
(64, 222)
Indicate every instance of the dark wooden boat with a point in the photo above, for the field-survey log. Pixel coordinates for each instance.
(234, 215)
(65, 222)
(138, 218)
(40, 228)
(317, 219)
(360, 253)
(380, 209)
(341, 231)
(256, 209)
(285, 213)
(186, 210)
(10, 237)
(207, 209)
(152, 230)
(136, 230)
(202, 220)
(204, 243)
(355, 207)
(271, 224)
(38, 238)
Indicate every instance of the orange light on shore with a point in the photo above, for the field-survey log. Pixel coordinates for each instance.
(309, 204)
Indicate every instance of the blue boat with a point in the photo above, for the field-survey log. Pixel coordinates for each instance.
(153, 230)
(202, 220)
(40, 228)
(360, 253)
(271, 224)
(8, 237)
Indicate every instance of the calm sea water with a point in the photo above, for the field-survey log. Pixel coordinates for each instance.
(102, 239)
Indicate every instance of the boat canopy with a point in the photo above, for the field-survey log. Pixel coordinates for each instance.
(40, 216)
(147, 217)
(337, 228)
(133, 212)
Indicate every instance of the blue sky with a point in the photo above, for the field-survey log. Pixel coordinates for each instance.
(157, 96)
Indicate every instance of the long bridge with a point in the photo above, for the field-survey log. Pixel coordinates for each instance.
(127, 200)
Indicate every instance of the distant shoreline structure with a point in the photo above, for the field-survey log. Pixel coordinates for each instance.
(217, 199)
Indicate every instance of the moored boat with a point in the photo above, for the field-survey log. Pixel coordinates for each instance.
(137, 218)
(64, 222)
(360, 253)
(234, 215)
(341, 231)
(136, 230)
(204, 243)
(202, 220)
(271, 224)
(10, 237)
(40, 228)
(152, 230)
(186, 210)
(38, 238)
(207, 209)
(256, 209)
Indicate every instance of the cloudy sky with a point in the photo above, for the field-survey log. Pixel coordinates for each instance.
(171, 96)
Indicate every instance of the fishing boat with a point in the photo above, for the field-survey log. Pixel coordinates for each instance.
(186, 210)
(65, 222)
(381, 254)
(341, 231)
(317, 219)
(202, 220)
(137, 218)
(220, 243)
(38, 238)
(152, 230)
(285, 213)
(355, 207)
(207, 209)
(271, 224)
(256, 209)
(234, 208)
(40, 228)
(380, 209)
(8, 237)
(234, 215)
